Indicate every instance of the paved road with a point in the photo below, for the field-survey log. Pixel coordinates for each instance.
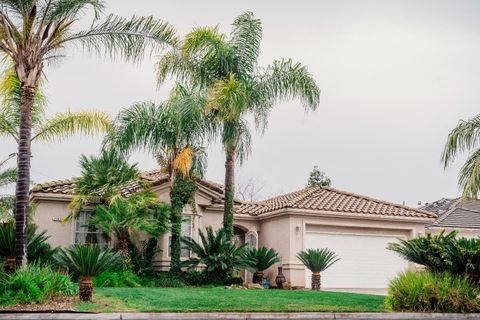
(235, 316)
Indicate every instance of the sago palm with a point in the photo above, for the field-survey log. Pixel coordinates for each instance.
(33, 32)
(317, 260)
(264, 258)
(86, 262)
(123, 216)
(227, 69)
(218, 255)
(174, 132)
(465, 137)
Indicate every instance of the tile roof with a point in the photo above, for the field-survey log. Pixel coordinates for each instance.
(331, 200)
(155, 177)
(460, 214)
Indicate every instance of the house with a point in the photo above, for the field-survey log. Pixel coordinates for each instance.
(356, 227)
(456, 214)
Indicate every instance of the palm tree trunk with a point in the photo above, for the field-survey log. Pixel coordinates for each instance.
(316, 281)
(85, 289)
(123, 247)
(23, 180)
(175, 244)
(229, 193)
(258, 277)
(9, 265)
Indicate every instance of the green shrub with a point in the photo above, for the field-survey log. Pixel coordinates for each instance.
(432, 292)
(35, 284)
(168, 280)
(117, 279)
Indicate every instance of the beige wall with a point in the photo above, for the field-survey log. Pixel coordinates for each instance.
(462, 232)
(48, 216)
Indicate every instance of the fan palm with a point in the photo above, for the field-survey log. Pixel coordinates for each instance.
(226, 68)
(465, 137)
(174, 132)
(317, 260)
(86, 262)
(218, 255)
(264, 258)
(33, 32)
(124, 216)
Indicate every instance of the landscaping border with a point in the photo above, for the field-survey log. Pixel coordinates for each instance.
(237, 316)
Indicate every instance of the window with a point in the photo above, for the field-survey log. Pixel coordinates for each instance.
(85, 233)
(185, 233)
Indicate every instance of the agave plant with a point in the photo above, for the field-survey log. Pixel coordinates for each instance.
(428, 250)
(218, 255)
(317, 260)
(86, 262)
(264, 258)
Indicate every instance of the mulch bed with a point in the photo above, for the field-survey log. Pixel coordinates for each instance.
(63, 304)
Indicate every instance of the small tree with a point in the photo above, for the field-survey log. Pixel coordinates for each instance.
(318, 178)
(86, 262)
(264, 258)
(317, 260)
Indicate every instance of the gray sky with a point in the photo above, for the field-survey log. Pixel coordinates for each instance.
(396, 76)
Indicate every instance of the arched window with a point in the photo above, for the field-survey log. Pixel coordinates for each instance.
(251, 239)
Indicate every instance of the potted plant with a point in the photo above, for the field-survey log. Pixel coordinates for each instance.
(317, 260)
(264, 258)
(86, 262)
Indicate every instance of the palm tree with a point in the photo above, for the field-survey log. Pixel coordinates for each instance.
(86, 262)
(226, 68)
(264, 258)
(218, 255)
(464, 137)
(317, 260)
(174, 132)
(124, 216)
(32, 33)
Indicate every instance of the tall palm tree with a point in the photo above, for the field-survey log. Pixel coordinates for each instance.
(465, 137)
(227, 69)
(174, 132)
(33, 32)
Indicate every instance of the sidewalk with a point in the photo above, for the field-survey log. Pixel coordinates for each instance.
(235, 316)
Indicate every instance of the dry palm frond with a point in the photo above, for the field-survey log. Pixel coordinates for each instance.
(183, 161)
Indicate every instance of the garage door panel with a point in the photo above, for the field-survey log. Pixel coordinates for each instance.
(364, 260)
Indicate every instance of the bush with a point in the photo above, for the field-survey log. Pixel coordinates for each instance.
(432, 292)
(168, 280)
(35, 284)
(117, 279)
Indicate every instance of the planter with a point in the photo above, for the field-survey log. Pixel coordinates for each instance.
(280, 279)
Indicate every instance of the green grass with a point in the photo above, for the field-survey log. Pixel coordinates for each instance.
(222, 300)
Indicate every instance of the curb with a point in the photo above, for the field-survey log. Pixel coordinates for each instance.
(237, 316)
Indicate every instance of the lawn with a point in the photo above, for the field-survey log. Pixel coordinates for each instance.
(222, 300)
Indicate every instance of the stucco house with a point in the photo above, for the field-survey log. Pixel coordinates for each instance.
(356, 227)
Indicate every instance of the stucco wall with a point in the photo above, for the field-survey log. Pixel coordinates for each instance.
(48, 216)
(462, 232)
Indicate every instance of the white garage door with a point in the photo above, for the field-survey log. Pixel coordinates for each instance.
(365, 261)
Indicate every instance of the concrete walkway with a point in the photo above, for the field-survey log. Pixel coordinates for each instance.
(235, 316)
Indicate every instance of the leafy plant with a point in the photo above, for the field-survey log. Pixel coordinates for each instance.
(7, 245)
(463, 258)
(317, 260)
(35, 284)
(142, 258)
(264, 258)
(218, 255)
(86, 262)
(427, 250)
(432, 292)
(117, 279)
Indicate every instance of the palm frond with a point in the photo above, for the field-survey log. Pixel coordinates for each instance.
(245, 39)
(87, 261)
(465, 136)
(127, 38)
(264, 257)
(8, 176)
(65, 125)
(69, 9)
(318, 260)
(469, 176)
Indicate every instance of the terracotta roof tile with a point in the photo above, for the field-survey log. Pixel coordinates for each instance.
(331, 200)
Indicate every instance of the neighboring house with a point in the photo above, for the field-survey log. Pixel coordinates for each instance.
(455, 214)
(356, 227)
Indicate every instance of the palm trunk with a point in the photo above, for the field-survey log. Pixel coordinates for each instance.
(123, 247)
(9, 265)
(258, 277)
(316, 281)
(23, 180)
(175, 243)
(85, 289)
(229, 193)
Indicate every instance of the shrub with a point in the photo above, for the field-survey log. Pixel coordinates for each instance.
(168, 280)
(432, 292)
(117, 279)
(142, 257)
(264, 258)
(35, 284)
(463, 258)
(219, 256)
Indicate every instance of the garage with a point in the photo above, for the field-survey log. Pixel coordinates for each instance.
(365, 261)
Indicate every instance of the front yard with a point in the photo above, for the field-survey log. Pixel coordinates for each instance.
(222, 300)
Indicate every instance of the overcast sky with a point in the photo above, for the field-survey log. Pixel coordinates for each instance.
(396, 76)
